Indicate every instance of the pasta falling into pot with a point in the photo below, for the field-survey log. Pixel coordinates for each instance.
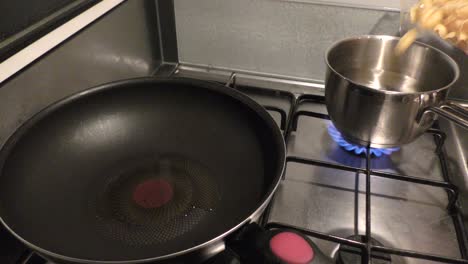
(447, 18)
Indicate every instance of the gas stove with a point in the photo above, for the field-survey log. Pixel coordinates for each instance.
(395, 207)
(355, 206)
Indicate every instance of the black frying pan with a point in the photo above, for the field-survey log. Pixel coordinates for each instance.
(139, 170)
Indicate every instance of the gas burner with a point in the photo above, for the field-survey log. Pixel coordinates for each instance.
(357, 149)
(352, 255)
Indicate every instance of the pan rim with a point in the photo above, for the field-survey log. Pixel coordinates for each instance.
(212, 86)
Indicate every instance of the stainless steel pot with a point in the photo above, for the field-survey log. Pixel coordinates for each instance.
(379, 99)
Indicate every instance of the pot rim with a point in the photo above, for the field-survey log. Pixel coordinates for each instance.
(386, 92)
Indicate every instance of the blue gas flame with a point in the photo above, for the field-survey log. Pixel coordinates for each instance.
(338, 138)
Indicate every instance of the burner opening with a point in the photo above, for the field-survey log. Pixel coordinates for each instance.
(357, 149)
(352, 255)
(153, 193)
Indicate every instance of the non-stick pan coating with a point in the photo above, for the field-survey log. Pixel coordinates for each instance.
(76, 179)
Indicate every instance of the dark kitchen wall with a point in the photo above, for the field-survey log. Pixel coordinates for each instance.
(122, 44)
(24, 21)
(19, 14)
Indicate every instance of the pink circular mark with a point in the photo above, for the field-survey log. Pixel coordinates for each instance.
(153, 193)
(291, 248)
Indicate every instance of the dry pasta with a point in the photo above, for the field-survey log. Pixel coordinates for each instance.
(447, 18)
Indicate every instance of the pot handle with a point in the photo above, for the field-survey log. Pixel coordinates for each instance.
(453, 112)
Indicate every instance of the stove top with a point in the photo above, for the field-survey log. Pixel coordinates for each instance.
(324, 191)
(397, 208)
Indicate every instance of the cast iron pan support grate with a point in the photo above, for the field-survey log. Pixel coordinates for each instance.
(366, 248)
(289, 121)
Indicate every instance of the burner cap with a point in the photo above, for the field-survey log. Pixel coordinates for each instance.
(153, 193)
(357, 149)
(352, 255)
(291, 248)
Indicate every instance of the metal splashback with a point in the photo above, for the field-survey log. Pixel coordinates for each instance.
(277, 36)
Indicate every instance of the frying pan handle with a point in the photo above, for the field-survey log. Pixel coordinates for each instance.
(255, 245)
(453, 112)
(226, 256)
